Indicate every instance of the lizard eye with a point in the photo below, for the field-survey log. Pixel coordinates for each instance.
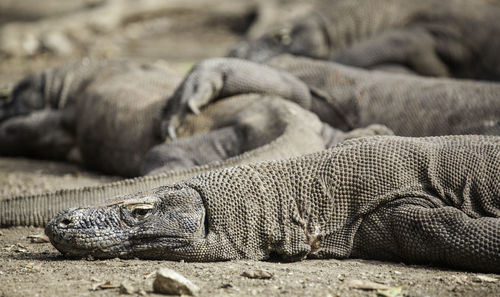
(140, 213)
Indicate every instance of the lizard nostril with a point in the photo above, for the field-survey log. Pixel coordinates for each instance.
(65, 222)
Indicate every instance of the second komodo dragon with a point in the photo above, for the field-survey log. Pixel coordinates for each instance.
(104, 114)
(107, 111)
(346, 97)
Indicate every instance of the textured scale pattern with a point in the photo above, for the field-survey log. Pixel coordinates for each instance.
(428, 37)
(409, 105)
(265, 127)
(116, 101)
(417, 200)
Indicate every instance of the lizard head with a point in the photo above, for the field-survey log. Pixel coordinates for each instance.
(306, 37)
(162, 223)
(27, 96)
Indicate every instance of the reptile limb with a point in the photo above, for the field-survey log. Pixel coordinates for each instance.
(349, 98)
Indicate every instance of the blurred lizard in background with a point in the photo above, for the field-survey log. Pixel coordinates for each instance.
(456, 38)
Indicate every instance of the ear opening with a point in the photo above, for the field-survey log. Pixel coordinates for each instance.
(206, 225)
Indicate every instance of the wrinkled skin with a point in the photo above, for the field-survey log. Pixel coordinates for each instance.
(131, 227)
(389, 198)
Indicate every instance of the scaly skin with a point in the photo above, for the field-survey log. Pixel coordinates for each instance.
(345, 97)
(113, 126)
(270, 128)
(417, 200)
(430, 37)
(82, 108)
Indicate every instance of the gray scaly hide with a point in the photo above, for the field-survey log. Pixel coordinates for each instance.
(99, 112)
(429, 37)
(346, 97)
(409, 105)
(417, 200)
(289, 130)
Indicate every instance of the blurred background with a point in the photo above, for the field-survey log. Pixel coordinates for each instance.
(38, 34)
(35, 34)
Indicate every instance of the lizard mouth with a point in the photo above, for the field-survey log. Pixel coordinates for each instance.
(74, 243)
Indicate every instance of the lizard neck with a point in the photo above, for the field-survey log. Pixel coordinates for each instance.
(260, 210)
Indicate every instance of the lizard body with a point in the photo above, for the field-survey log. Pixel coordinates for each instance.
(418, 200)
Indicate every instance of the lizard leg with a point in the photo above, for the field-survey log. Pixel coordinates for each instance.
(39, 134)
(217, 145)
(413, 48)
(221, 77)
(420, 234)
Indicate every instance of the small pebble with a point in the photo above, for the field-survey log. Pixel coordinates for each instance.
(257, 274)
(126, 288)
(172, 283)
(484, 278)
(38, 238)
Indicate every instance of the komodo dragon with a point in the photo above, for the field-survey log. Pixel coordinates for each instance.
(99, 112)
(114, 126)
(418, 200)
(431, 37)
(346, 97)
(106, 112)
(295, 132)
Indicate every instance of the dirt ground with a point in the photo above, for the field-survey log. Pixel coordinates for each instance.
(29, 269)
(37, 269)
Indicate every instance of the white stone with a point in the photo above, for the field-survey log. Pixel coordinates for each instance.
(170, 282)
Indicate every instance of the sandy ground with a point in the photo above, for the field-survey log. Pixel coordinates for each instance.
(37, 269)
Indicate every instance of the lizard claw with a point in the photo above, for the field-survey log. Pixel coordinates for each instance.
(201, 86)
(171, 132)
(194, 109)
